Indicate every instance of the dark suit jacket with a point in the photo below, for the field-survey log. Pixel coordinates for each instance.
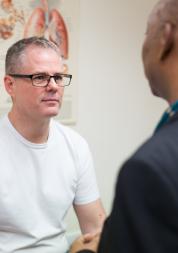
(144, 217)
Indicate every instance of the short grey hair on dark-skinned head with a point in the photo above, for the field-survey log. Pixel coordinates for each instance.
(13, 60)
(166, 11)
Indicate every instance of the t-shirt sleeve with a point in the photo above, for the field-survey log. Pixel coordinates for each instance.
(87, 189)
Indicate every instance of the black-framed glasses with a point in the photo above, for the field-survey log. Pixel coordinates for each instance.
(42, 80)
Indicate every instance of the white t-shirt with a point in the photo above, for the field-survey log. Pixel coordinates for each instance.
(38, 184)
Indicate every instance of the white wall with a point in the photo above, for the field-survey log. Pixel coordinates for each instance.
(116, 111)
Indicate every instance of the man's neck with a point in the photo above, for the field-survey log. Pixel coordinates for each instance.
(35, 131)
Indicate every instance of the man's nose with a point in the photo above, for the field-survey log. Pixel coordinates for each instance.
(52, 83)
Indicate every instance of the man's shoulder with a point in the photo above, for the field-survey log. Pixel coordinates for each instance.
(160, 151)
(4, 124)
(163, 141)
(68, 133)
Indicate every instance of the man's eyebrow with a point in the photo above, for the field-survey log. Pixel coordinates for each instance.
(58, 73)
(40, 73)
(45, 73)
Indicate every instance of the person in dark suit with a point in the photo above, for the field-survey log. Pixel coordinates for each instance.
(144, 216)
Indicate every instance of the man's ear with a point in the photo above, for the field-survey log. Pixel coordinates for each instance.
(8, 83)
(167, 40)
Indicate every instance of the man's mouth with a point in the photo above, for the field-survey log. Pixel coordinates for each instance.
(50, 100)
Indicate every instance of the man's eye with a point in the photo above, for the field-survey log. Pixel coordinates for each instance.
(58, 78)
(40, 78)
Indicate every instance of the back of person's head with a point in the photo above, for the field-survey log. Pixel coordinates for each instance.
(16, 52)
(160, 49)
(165, 11)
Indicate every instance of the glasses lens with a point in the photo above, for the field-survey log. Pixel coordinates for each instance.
(59, 79)
(40, 80)
(62, 80)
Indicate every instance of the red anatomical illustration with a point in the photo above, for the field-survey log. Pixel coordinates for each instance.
(35, 24)
(57, 31)
(50, 24)
(8, 23)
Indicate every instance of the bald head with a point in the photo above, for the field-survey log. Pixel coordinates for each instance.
(160, 50)
(166, 11)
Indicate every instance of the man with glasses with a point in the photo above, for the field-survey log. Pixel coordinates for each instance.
(44, 167)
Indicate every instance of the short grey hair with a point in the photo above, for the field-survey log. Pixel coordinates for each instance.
(14, 53)
(167, 11)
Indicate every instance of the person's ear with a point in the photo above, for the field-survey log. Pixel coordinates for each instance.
(8, 83)
(167, 40)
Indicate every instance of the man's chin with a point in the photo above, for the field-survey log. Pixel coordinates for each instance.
(153, 90)
(51, 113)
(155, 93)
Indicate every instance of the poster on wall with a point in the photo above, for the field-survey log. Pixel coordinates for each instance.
(58, 21)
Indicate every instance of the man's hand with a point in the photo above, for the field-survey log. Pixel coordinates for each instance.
(87, 241)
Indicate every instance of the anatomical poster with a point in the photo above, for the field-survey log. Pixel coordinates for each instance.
(58, 21)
